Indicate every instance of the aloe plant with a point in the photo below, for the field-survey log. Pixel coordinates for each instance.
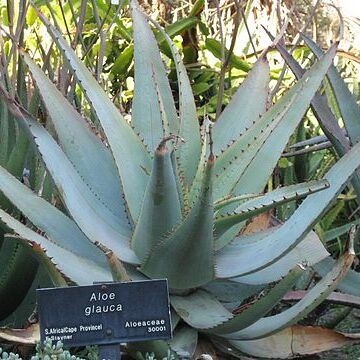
(162, 197)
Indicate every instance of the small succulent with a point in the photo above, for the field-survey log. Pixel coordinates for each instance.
(46, 352)
(10, 356)
(163, 197)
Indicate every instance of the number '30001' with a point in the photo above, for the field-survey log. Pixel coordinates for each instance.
(156, 328)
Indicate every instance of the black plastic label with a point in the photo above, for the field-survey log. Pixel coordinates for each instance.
(106, 313)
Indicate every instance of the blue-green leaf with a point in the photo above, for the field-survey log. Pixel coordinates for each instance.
(86, 152)
(189, 151)
(261, 307)
(245, 166)
(184, 342)
(230, 292)
(186, 256)
(146, 116)
(130, 154)
(161, 207)
(94, 219)
(350, 284)
(84, 272)
(243, 109)
(309, 252)
(272, 324)
(61, 229)
(17, 267)
(349, 109)
(277, 244)
(200, 310)
(253, 180)
(266, 202)
(4, 133)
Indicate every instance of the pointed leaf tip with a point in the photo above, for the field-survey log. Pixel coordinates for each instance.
(161, 209)
(162, 145)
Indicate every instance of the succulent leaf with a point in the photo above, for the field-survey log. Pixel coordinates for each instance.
(262, 306)
(350, 284)
(130, 154)
(189, 151)
(117, 268)
(19, 267)
(186, 256)
(231, 200)
(266, 158)
(4, 133)
(184, 342)
(245, 166)
(237, 168)
(200, 310)
(277, 244)
(240, 113)
(323, 113)
(17, 264)
(57, 278)
(146, 116)
(196, 184)
(161, 209)
(272, 324)
(27, 305)
(64, 259)
(319, 105)
(293, 342)
(234, 160)
(335, 297)
(349, 109)
(264, 203)
(183, 195)
(86, 152)
(309, 252)
(80, 201)
(48, 218)
(231, 293)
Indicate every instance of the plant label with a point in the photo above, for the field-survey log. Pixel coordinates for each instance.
(108, 313)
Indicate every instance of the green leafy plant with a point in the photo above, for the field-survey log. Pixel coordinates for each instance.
(162, 197)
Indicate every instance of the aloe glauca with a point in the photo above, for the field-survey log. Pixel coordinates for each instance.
(168, 199)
